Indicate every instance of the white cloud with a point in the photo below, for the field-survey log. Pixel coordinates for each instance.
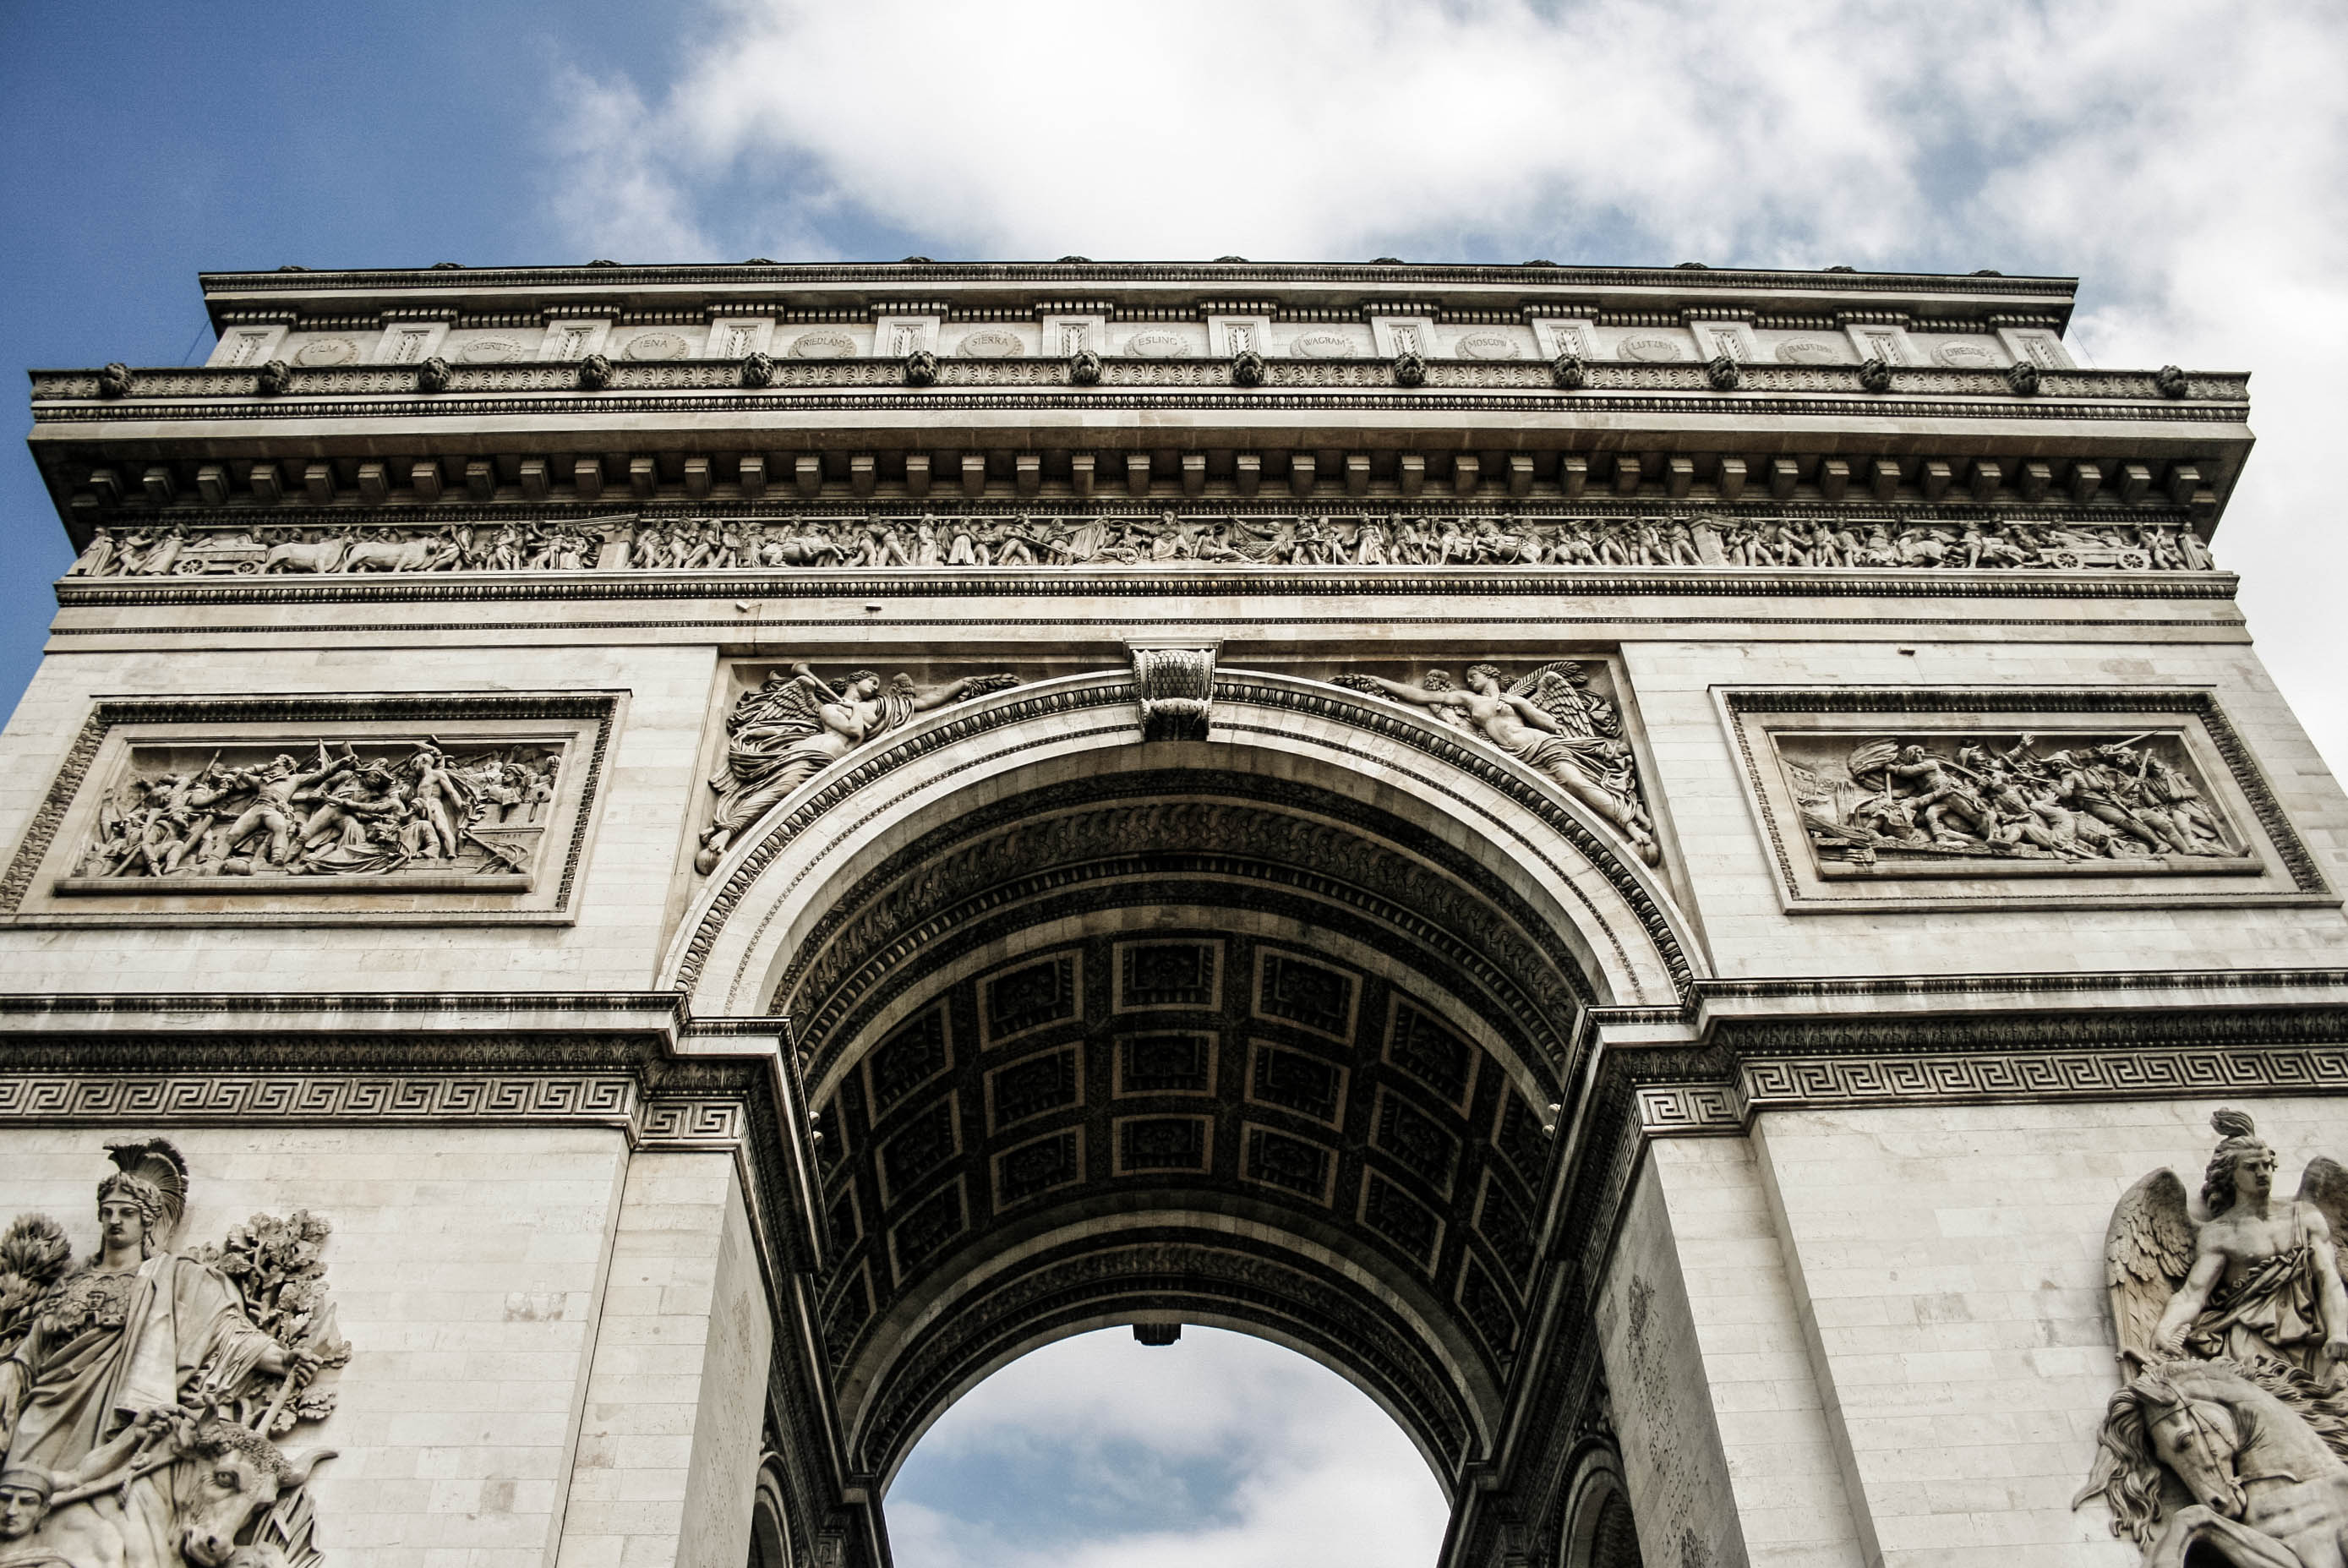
(1314, 1471)
(2185, 158)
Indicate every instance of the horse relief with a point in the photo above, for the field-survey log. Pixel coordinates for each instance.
(142, 1389)
(2228, 1443)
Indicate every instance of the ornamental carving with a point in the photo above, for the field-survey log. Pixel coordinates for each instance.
(1992, 803)
(1395, 539)
(1970, 797)
(379, 809)
(1554, 720)
(784, 732)
(144, 1386)
(2231, 1433)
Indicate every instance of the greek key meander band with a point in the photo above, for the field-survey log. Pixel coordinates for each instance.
(593, 1099)
(1829, 1083)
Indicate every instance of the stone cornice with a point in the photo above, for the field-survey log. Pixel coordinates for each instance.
(898, 285)
(635, 1062)
(706, 386)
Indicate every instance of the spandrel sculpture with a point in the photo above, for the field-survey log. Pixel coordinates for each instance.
(2231, 1433)
(1551, 721)
(142, 1389)
(376, 809)
(787, 730)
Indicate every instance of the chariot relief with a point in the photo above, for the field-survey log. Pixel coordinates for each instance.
(143, 1387)
(1395, 537)
(2230, 1441)
(372, 809)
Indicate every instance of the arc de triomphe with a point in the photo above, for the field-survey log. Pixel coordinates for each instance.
(636, 876)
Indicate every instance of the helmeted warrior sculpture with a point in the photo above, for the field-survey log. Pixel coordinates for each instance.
(140, 1388)
(2232, 1331)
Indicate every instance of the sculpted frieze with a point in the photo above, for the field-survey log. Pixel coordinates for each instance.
(1171, 538)
(1957, 796)
(144, 1386)
(386, 807)
(2230, 1440)
(373, 809)
(2001, 803)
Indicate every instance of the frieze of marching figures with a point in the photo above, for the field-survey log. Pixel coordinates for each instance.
(373, 809)
(1990, 804)
(1171, 538)
(2228, 1442)
(144, 1386)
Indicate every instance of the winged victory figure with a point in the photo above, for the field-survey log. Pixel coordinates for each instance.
(2259, 1277)
(1553, 722)
(784, 733)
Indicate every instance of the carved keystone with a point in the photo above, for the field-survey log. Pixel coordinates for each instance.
(1176, 682)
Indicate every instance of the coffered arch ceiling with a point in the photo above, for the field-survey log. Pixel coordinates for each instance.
(1186, 1043)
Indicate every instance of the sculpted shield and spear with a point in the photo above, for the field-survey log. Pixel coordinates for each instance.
(138, 1395)
(2230, 1437)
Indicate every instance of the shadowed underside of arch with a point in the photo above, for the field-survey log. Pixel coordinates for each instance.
(1260, 1032)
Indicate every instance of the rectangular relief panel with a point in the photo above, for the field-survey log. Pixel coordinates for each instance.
(1963, 798)
(469, 807)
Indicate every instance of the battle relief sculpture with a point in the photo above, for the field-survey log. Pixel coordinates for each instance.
(1982, 803)
(1395, 539)
(785, 731)
(143, 1389)
(373, 809)
(2230, 1441)
(1551, 719)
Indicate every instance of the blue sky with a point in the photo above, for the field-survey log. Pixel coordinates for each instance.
(2189, 161)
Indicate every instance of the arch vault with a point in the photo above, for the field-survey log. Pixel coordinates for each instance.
(1267, 1030)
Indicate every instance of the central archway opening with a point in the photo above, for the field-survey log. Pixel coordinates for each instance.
(1268, 1034)
(1221, 1448)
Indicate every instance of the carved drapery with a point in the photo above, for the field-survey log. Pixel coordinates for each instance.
(143, 1390)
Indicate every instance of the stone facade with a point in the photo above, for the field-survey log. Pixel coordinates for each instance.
(1636, 861)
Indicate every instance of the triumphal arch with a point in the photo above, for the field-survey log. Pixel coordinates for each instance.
(621, 881)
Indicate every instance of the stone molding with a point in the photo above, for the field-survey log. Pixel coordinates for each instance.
(235, 719)
(615, 1060)
(1538, 278)
(1181, 580)
(1607, 386)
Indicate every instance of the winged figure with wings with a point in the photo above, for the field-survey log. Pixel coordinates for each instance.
(2259, 1277)
(1552, 722)
(784, 733)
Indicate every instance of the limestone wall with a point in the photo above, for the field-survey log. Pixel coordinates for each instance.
(1946, 1332)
